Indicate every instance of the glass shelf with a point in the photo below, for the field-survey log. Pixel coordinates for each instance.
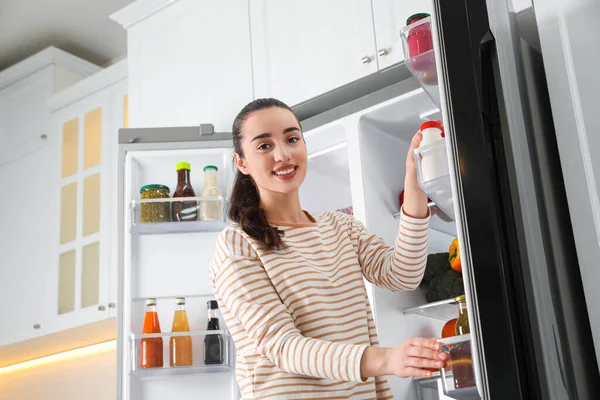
(198, 365)
(422, 65)
(444, 310)
(153, 216)
(438, 221)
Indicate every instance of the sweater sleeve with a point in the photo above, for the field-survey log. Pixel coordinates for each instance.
(398, 267)
(245, 291)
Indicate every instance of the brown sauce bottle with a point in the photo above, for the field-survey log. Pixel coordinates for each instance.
(182, 211)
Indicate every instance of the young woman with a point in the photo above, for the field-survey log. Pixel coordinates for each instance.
(290, 285)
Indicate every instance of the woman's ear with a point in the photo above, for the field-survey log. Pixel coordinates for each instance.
(240, 163)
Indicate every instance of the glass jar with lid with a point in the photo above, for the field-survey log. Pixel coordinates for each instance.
(154, 211)
(462, 322)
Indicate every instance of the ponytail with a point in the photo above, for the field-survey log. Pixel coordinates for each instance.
(244, 204)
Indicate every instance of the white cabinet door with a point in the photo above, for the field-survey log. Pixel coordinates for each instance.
(304, 48)
(24, 115)
(190, 64)
(119, 101)
(390, 16)
(84, 186)
(28, 239)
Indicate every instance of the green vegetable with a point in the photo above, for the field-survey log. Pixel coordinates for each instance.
(440, 281)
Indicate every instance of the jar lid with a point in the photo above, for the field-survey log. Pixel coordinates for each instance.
(414, 16)
(458, 299)
(155, 186)
(211, 167)
(183, 165)
(432, 124)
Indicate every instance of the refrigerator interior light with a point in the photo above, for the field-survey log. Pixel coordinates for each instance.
(59, 357)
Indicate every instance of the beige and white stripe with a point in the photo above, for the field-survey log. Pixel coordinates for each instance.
(300, 318)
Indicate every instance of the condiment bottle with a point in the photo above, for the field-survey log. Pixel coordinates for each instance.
(433, 162)
(180, 347)
(213, 343)
(211, 210)
(462, 322)
(420, 41)
(184, 210)
(151, 349)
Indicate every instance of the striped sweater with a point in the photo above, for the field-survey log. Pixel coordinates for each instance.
(300, 318)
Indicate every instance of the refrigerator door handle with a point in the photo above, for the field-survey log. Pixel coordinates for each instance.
(561, 366)
(486, 46)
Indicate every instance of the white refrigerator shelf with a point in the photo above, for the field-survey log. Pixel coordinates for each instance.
(444, 310)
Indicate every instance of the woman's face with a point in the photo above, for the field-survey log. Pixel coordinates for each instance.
(274, 150)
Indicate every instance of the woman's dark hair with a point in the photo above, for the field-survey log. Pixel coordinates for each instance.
(244, 204)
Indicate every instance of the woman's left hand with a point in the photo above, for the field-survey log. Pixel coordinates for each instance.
(415, 201)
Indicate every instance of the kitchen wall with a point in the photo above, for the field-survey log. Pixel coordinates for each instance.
(90, 378)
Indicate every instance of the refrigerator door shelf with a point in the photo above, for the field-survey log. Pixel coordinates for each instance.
(444, 310)
(458, 378)
(434, 175)
(198, 349)
(153, 216)
(420, 56)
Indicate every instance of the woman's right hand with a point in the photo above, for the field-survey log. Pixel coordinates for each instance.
(411, 357)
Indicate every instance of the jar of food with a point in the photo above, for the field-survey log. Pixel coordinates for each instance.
(419, 42)
(462, 322)
(154, 211)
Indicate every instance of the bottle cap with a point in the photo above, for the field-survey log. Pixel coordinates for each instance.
(183, 165)
(211, 167)
(416, 17)
(180, 301)
(432, 124)
(212, 305)
(150, 301)
(155, 186)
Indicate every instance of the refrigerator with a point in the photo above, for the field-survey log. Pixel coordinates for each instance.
(501, 193)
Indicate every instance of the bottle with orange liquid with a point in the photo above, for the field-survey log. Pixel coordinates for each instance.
(180, 347)
(151, 349)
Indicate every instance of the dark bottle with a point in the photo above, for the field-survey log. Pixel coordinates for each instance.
(213, 344)
(184, 210)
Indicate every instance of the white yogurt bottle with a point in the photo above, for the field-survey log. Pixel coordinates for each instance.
(434, 162)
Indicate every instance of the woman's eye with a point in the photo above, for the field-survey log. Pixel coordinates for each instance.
(264, 146)
(294, 139)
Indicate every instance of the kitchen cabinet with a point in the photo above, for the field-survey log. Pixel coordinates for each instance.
(302, 49)
(24, 89)
(87, 119)
(389, 17)
(28, 179)
(189, 62)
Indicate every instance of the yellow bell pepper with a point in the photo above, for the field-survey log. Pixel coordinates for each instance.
(454, 256)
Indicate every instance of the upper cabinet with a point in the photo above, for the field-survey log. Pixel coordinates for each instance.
(390, 16)
(189, 62)
(24, 90)
(304, 48)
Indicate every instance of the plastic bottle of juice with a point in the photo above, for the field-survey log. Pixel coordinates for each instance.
(180, 347)
(151, 349)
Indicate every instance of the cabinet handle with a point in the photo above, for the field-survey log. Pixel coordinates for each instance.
(101, 308)
(366, 60)
(36, 326)
(382, 53)
(112, 305)
(43, 136)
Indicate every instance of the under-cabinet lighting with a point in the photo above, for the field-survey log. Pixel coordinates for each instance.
(327, 150)
(59, 357)
(428, 113)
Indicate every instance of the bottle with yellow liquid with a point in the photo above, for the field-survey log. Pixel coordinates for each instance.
(180, 347)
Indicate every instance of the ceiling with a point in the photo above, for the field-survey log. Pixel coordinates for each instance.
(80, 27)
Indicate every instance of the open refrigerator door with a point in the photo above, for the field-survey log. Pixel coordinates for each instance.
(169, 346)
